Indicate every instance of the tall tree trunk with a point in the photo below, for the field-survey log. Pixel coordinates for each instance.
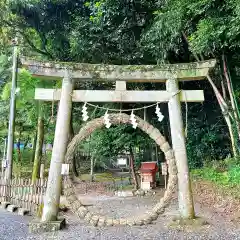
(215, 89)
(26, 143)
(70, 137)
(229, 124)
(39, 147)
(74, 166)
(19, 148)
(145, 114)
(11, 126)
(231, 95)
(92, 168)
(19, 155)
(91, 159)
(34, 142)
(223, 105)
(134, 176)
(227, 116)
(71, 131)
(156, 153)
(230, 129)
(223, 90)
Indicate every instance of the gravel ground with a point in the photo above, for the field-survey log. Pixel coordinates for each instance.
(13, 227)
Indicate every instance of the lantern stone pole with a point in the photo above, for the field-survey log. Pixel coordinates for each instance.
(185, 199)
(52, 198)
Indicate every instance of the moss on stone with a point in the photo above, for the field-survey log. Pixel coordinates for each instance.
(187, 224)
(186, 70)
(40, 210)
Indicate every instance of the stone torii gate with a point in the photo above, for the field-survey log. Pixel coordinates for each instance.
(70, 72)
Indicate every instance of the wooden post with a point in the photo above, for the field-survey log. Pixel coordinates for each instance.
(185, 198)
(42, 171)
(165, 181)
(92, 167)
(52, 198)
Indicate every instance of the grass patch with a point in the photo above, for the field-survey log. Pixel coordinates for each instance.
(224, 174)
(127, 187)
(102, 177)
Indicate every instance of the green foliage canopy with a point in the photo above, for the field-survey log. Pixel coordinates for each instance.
(127, 32)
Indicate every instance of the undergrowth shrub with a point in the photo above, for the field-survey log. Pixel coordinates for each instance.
(234, 175)
(225, 172)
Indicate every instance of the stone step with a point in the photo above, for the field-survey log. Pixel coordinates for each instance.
(37, 226)
(12, 208)
(23, 211)
(4, 205)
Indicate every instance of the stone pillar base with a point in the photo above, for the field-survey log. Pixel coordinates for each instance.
(36, 226)
(4, 205)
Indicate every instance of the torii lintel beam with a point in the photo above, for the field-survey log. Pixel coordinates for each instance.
(119, 96)
(129, 73)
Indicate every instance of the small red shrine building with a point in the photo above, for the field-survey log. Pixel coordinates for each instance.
(148, 172)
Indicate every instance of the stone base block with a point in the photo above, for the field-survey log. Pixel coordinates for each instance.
(12, 208)
(124, 193)
(4, 205)
(23, 211)
(188, 224)
(36, 226)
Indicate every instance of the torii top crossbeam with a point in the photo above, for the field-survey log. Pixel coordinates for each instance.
(128, 73)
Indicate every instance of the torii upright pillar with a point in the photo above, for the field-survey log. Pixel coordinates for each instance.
(52, 198)
(185, 199)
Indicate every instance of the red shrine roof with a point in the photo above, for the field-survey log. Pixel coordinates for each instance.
(149, 167)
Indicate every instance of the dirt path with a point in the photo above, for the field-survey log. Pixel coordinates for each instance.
(221, 204)
(220, 226)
